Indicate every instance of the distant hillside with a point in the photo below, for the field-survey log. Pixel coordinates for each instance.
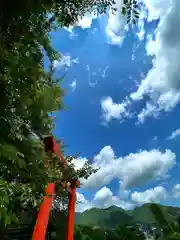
(143, 214)
(111, 216)
(108, 217)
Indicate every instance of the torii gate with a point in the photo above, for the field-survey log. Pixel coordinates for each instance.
(45, 208)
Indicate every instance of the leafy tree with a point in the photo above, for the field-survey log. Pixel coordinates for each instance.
(129, 232)
(169, 226)
(131, 9)
(121, 232)
(78, 233)
(111, 235)
(28, 95)
(88, 232)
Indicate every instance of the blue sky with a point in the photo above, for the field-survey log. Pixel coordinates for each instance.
(123, 105)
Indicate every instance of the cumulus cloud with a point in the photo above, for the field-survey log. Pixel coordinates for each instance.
(79, 162)
(156, 194)
(114, 110)
(103, 194)
(82, 204)
(141, 31)
(71, 31)
(116, 25)
(103, 198)
(156, 9)
(146, 165)
(66, 60)
(161, 85)
(176, 191)
(132, 170)
(174, 134)
(115, 28)
(149, 110)
(162, 82)
(86, 21)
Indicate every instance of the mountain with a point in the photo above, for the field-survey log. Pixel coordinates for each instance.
(111, 216)
(143, 214)
(108, 217)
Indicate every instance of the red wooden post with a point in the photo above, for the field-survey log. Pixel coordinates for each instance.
(43, 214)
(71, 211)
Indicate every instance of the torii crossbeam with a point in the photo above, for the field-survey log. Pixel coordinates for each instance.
(45, 208)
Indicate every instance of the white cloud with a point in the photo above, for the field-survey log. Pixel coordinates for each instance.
(80, 197)
(162, 82)
(140, 23)
(103, 198)
(102, 194)
(150, 195)
(82, 204)
(75, 60)
(149, 110)
(116, 25)
(146, 165)
(79, 162)
(132, 170)
(86, 21)
(71, 31)
(66, 60)
(176, 191)
(174, 134)
(73, 85)
(156, 9)
(114, 110)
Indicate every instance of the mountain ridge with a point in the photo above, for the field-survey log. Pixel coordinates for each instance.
(113, 215)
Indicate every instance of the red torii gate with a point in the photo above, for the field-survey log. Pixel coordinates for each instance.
(45, 208)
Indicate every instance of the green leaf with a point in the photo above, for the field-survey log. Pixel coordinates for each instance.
(124, 10)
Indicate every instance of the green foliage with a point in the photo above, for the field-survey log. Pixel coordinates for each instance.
(89, 233)
(121, 232)
(29, 94)
(161, 216)
(162, 222)
(129, 232)
(174, 236)
(143, 214)
(169, 225)
(131, 9)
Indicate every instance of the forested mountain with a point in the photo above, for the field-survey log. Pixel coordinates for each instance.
(111, 216)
